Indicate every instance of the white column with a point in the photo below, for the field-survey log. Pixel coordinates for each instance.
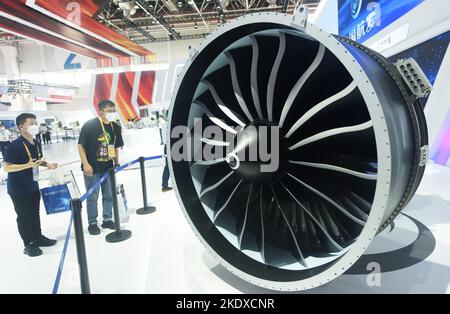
(10, 61)
(12, 71)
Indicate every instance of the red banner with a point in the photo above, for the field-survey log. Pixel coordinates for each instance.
(127, 94)
(102, 91)
(124, 94)
(81, 13)
(18, 10)
(146, 85)
(28, 32)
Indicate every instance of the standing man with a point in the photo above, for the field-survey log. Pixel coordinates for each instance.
(5, 138)
(42, 132)
(23, 157)
(39, 137)
(98, 146)
(161, 125)
(166, 173)
(48, 136)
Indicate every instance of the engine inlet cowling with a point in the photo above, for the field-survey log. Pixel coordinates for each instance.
(348, 138)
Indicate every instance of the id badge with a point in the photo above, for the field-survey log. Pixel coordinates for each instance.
(36, 174)
(111, 151)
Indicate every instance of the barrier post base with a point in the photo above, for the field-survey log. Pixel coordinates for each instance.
(146, 210)
(120, 236)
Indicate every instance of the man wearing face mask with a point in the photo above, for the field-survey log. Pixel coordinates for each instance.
(98, 146)
(23, 157)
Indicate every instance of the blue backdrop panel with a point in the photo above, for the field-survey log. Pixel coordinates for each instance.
(361, 19)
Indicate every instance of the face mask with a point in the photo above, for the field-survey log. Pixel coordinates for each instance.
(111, 116)
(33, 130)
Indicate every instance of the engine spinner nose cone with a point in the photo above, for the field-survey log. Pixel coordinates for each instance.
(259, 154)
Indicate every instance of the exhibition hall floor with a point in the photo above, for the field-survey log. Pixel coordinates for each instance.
(163, 255)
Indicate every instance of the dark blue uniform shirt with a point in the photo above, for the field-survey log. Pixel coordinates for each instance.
(21, 183)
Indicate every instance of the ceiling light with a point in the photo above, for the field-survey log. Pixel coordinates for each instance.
(128, 8)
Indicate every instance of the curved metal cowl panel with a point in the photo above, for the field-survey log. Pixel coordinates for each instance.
(348, 138)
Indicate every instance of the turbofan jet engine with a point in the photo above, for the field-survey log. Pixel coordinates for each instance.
(343, 127)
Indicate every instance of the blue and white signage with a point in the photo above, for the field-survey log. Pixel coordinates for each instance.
(56, 199)
(70, 64)
(361, 19)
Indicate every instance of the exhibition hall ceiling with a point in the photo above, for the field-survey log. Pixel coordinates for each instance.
(69, 25)
(183, 19)
(118, 28)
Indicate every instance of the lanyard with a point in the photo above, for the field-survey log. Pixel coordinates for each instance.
(104, 130)
(28, 151)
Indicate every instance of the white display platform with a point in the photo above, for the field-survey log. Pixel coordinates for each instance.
(164, 256)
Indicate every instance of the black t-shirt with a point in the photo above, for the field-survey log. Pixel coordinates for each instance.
(21, 183)
(95, 142)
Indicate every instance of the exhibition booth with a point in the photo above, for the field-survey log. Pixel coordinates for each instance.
(308, 146)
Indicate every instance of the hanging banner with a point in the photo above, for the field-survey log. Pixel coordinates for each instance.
(102, 90)
(129, 91)
(144, 93)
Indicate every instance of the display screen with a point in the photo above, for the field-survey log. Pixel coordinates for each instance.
(361, 19)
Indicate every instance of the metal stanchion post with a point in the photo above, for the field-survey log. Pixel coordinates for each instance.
(81, 248)
(119, 235)
(146, 209)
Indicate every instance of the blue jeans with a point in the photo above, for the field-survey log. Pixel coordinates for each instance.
(92, 209)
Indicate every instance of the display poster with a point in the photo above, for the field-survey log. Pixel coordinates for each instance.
(359, 20)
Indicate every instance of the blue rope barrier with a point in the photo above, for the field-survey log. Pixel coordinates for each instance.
(63, 257)
(126, 165)
(82, 199)
(154, 157)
